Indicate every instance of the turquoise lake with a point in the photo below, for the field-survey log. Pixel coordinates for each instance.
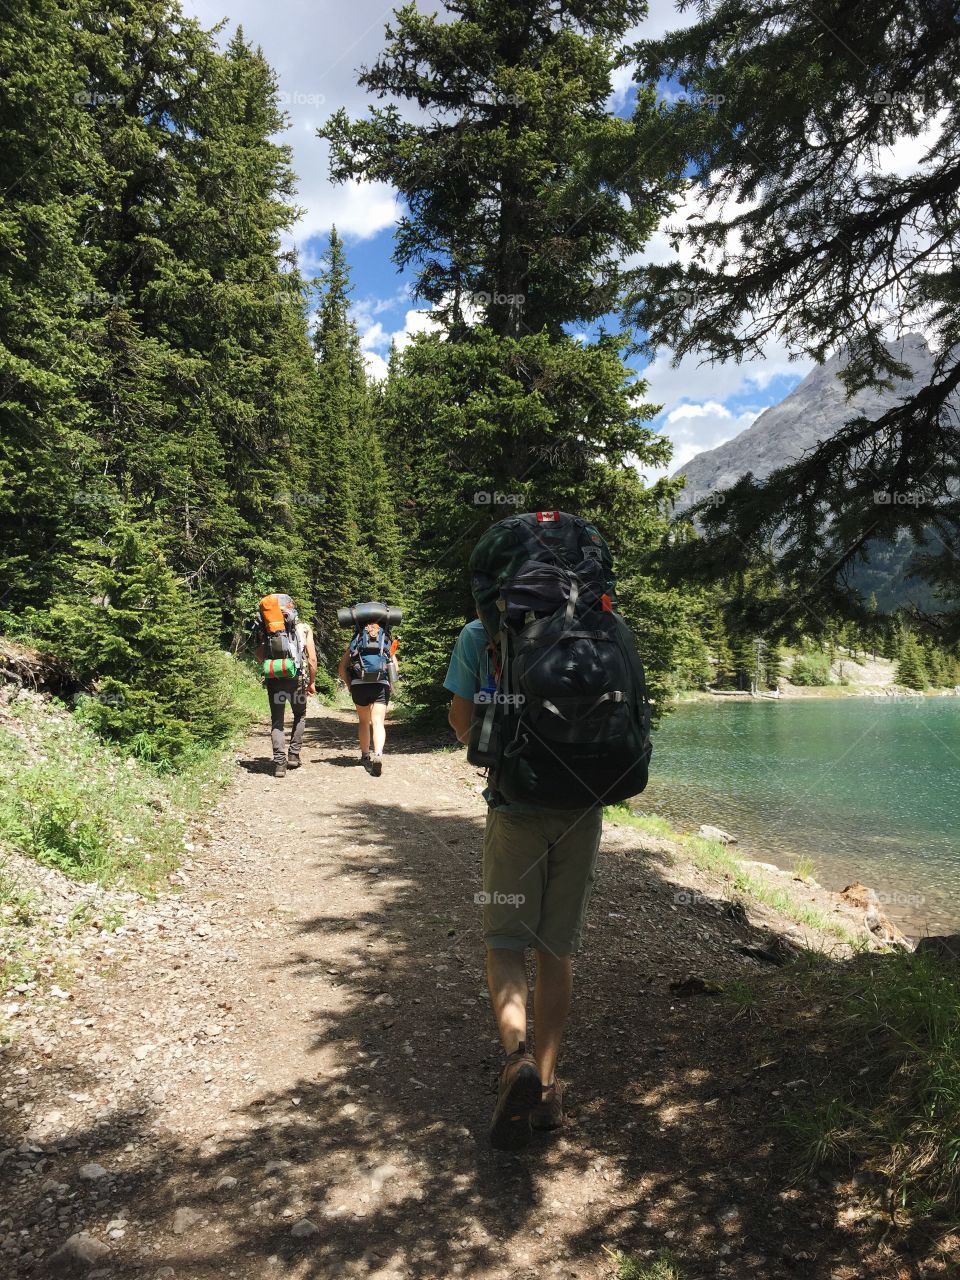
(868, 788)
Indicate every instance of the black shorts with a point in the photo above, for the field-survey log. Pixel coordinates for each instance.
(364, 695)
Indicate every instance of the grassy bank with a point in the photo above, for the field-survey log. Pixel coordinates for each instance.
(888, 1098)
(715, 857)
(75, 803)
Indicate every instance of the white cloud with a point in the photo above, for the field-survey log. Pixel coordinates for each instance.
(376, 366)
(316, 52)
(621, 80)
(375, 339)
(695, 427)
(693, 381)
(695, 398)
(357, 209)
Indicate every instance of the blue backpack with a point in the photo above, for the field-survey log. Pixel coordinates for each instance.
(370, 659)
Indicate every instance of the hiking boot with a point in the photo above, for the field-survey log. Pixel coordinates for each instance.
(280, 768)
(548, 1113)
(365, 759)
(376, 765)
(519, 1092)
(293, 762)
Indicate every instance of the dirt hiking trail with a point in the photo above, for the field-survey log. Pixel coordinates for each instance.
(288, 1067)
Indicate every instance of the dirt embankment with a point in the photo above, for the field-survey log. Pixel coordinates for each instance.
(287, 1066)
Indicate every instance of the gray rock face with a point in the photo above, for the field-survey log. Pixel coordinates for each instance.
(812, 412)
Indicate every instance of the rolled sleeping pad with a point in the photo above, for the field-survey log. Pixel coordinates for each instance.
(280, 668)
(360, 615)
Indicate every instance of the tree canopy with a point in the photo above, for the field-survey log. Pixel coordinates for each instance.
(804, 227)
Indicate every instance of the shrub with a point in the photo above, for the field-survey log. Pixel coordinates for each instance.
(810, 669)
(149, 649)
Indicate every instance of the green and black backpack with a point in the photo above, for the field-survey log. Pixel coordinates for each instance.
(565, 720)
(278, 629)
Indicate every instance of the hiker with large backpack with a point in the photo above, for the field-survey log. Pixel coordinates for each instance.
(369, 669)
(288, 660)
(549, 696)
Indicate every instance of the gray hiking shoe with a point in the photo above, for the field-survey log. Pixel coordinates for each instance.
(280, 769)
(293, 762)
(548, 1113)
(519, 1092)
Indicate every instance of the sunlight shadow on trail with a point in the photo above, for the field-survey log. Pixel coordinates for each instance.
(383, 1146)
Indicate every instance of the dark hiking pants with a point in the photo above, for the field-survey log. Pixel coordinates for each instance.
(280, 693)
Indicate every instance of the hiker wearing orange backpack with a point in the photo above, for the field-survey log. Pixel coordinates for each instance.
(288, 660)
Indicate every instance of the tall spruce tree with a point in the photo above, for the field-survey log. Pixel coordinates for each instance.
(126, 626)
(803, 233)
(260, 377)
(353, 545)
(146, 69)
(524, 193)
(205, 370)
(48, 156)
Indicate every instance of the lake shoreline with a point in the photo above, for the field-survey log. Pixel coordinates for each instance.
(797, 896)
(797, 693)
(862, 792)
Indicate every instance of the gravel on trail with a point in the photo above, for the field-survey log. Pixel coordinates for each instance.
(286, 1066)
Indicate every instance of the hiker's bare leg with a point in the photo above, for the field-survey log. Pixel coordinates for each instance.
(551, 1005)
(379, 710)
(363, 729)
(507, 981)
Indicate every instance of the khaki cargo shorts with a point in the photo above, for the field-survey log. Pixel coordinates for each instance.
(538, 873)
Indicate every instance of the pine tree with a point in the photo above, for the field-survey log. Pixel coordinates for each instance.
(933, 661)
(718, 645)
(911, 669)
(261, 376)
(353, 539)
(774, 666)
(203, 386)
(524, 193)
(798, 233)
(126, 625)
(893, 639)
(49, 492)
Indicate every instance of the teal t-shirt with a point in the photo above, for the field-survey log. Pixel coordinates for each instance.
(466, 673)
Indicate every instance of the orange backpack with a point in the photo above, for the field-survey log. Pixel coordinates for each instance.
(283, 646)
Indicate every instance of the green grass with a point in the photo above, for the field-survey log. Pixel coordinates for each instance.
(805, 868)
(892, 1099)
(811, 669)
(71, 801)
(624, 816)
(19, 961)
(743, 995)
(662, 1267)
(714, 857)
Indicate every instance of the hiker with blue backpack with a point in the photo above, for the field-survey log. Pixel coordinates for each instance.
(288, 661)
(549, 696)
(369, 669)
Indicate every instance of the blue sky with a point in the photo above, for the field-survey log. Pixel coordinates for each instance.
(316, 49)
